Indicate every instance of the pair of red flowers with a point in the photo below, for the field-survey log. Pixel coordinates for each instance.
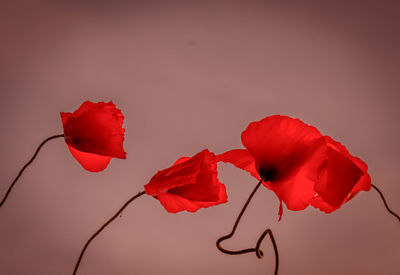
(293, 159)
(94, 135)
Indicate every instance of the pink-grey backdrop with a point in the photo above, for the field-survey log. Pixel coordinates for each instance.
(190, 75)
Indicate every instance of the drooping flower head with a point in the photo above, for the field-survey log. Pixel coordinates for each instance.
(299, 164)
(189, 184)
(94, 134)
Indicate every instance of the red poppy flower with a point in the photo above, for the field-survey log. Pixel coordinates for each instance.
(94, 134)
(189, 184)
(299, 164)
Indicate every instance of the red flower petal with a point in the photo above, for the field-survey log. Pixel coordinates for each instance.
(241, 159)
(189, 184)
(95, 129)
(174, 204)
(341, 177)
(318, 202)
(89, 161)
(180, 160)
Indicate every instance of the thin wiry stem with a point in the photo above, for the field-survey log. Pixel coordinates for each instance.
(104, 226)
(384, 201)
(257, 249)
(26, 165)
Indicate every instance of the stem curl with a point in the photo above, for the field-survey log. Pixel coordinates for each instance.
(259, 253)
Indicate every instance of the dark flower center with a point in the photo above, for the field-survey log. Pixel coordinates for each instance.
(268, 173)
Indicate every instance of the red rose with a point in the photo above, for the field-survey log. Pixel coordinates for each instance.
(189, 184)
(299, 164)
(94, 134)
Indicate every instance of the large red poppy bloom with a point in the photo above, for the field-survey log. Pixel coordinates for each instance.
(189, 184)
(299, 164)
(94, 134)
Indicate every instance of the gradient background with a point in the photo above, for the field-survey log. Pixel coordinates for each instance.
(190, 75)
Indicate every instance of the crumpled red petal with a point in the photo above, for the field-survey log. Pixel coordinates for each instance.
(207, 184)
(179, 174)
